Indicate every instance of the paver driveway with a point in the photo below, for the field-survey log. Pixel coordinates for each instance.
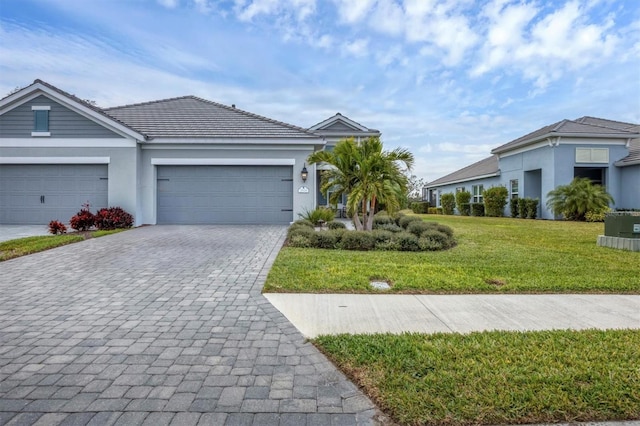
(161, 325)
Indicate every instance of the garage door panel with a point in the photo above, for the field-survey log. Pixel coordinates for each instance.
(225, 194)
(65, 187)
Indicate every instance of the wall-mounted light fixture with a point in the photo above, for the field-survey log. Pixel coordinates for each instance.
(304, 174)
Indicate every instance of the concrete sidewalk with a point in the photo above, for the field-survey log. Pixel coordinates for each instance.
(316, 314)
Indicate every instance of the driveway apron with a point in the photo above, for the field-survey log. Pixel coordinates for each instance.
(161, 325)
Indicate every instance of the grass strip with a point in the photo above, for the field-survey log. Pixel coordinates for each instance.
(23, 246)
(495, 377)
(493, 255)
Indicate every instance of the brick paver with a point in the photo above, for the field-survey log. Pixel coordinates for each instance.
(161, 325)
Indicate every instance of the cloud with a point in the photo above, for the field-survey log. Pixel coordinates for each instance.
(543, 47)
(351, 11)
(169, 4)
(357, 48)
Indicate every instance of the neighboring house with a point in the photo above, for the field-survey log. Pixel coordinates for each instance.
(332, 130)
(605, 151)
(174, 161)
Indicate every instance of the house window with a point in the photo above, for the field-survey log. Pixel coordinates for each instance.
(513, 187)
(460, 189)
(477, 193)
(40, 121)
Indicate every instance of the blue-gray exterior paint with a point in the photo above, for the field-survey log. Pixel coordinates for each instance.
(541, 170)
(63, 122)
(629, 192)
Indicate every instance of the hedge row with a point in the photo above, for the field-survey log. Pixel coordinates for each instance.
(401, 233)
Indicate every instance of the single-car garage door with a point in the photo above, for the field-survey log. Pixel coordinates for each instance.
(39, 193)
(225, 194)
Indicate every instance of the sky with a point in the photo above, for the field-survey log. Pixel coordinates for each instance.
(447, 79)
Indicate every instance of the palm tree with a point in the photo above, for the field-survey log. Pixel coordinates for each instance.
(573, 201)
(367, 174)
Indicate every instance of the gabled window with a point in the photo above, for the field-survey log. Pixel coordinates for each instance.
(40, 121)
(476, 192)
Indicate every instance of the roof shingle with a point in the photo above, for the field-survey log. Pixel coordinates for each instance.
(193, 117)
(485, 167)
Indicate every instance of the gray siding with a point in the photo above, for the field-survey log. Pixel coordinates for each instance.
(340, 127)
(63, 123)
(629, 197)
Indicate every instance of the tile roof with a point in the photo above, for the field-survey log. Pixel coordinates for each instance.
(486, 167)
(634, 154)
(193, 117)
(587, 126)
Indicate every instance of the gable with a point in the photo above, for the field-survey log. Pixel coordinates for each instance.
(63, 122)
(339, 126)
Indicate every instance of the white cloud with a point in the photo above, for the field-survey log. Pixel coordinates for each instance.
(357, 48)
(353, 11)
(543, 47)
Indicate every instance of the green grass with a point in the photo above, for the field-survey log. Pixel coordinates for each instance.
(23, 246)
(493, 255)
(495, 377)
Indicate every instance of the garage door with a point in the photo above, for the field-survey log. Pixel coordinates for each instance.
(225, 194)
(36, 194)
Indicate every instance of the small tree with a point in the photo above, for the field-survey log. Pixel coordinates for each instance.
(462, 202)
(448, 202)
(573, 201)
(495, 199)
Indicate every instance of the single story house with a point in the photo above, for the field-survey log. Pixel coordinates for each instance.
(605, 151)
(183, 160)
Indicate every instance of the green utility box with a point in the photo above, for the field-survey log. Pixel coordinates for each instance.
(622, 224)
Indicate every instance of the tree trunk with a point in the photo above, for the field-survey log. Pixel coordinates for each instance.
(369, 217)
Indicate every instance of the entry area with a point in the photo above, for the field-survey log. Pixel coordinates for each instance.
(35, 194)
(224, 195)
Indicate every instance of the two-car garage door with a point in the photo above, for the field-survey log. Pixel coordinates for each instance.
(39, 193)
(225, 194)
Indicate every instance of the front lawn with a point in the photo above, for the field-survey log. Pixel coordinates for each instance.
(495, 377)
(493, 255)
(23, 246)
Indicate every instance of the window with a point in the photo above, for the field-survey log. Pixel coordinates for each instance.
(460, 189)
(513, 187)
(477, 193)
(40, 121)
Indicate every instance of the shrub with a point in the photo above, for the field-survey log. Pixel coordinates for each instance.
(56, 227)
(391, 227)
(438, 238)
(465, 209)
(448, 202)
(513, 207)
(301, 241)
(357, 240)
(417, 228)
(427, 244)
(532, 208)
(574, 200)
(495, 199)
(335, 224)
(318, 216)
(432, 210)
(477, 209)
(303, 222)
(596, 216)
(83, 220)
(445, 229)
(390, 245)
(462, 198)
(300, 230)
(406, 220)
(384, 219)
(419, 207)
(113, 218)
(382, 236)
(325, 240)
(523, 208)
(439, 210)
(406, 241)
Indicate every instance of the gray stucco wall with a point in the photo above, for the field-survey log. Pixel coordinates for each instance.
(297, 154)
(63, 122)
